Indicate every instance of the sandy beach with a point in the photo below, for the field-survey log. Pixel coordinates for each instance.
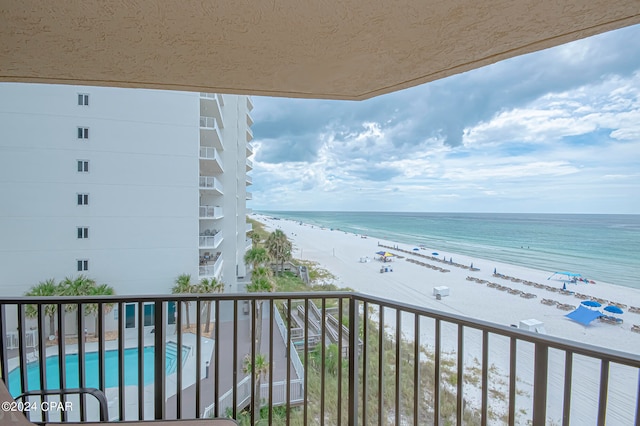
(343, 253)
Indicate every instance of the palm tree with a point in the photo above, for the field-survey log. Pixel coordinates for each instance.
(92, 308)
(209, 286)
(256, 256)
(260, 369)
(255, 239)
(46, 288)
(279, 247)
(183, 285)
(79, 286)
(261, 282)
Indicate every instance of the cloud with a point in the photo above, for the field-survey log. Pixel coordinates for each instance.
(542, 124)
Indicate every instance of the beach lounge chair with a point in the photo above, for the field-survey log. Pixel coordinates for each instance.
(17, 418)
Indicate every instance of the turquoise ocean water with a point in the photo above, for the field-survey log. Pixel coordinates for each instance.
(600, 247)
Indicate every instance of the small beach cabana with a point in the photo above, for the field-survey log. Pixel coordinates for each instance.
(571, 276)
(584, 315)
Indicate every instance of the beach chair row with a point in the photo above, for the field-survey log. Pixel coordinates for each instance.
(427, 265)
(580, 296)
(497, 286)
(433, 258)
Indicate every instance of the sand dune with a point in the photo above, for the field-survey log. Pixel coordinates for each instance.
(479, 294)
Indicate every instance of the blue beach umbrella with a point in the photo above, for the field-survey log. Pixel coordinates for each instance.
(591, 303)
(380, 252)
(416, 249)
(614, 309)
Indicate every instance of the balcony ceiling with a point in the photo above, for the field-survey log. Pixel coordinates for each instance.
(338, 49)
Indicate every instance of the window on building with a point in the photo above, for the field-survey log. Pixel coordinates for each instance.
(83, 133)
(149, 316)
(83, 199)
(83, 166)
(83, 232)
(83, 99)
(130, 315)
(83, 265)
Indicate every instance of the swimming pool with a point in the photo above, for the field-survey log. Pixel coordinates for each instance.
(91, 369)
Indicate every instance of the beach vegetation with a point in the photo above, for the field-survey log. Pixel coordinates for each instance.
(258, 232)
(279, 247)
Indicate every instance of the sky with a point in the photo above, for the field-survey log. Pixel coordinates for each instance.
(556, 131)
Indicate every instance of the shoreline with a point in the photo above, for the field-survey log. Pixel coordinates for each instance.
(340, 253)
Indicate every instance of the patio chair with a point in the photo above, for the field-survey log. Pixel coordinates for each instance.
(17, 418)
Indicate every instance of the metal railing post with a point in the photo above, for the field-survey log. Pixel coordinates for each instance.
(541, 364)
(159, 362)
(353, 361)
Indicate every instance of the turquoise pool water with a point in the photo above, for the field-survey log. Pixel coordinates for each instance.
(91, 369)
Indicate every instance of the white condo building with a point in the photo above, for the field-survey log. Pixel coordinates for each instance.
(129, 187)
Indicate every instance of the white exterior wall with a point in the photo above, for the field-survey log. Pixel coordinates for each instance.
(144, 197)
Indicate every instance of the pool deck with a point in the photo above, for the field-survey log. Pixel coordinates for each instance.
(226, 366)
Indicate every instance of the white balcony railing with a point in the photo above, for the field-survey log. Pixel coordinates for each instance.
(249, 196)
(210, 241)
(249, 164)
(249, 103)
(249, 227)
(210, 153)
(251, 149)
(248, 244)
(213, 212)
(249, 134)
(211, 182)
(208, 122)
(249, 180)
(211, 270)
(207, 95)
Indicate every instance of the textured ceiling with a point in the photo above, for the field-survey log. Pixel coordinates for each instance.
(340, 49)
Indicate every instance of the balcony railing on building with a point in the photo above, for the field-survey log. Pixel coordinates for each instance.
(210, 132)
(249, 180)
(212, 183)
(249, 134)
(249, 165)
(249, 196)
(210, 238)
(211, 212)
(250, 149)
(211, 153)
(412, 365)
(210, 266)
(249, 227)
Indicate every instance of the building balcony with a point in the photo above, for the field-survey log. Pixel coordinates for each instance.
(220, 98)
(210, 132)
(249, 134)
(249, 120)
(211, 212)
(248, 196)
(249, 227)
(249, 165)
(210, 107)
(210, 160)
(248, 245)
(250, 149)
(433, 368)
(210, 266)
(249, 180)
(210, 239)
(211, 183)
(249, 103)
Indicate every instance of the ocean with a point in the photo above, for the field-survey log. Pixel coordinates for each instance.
(599, 247)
